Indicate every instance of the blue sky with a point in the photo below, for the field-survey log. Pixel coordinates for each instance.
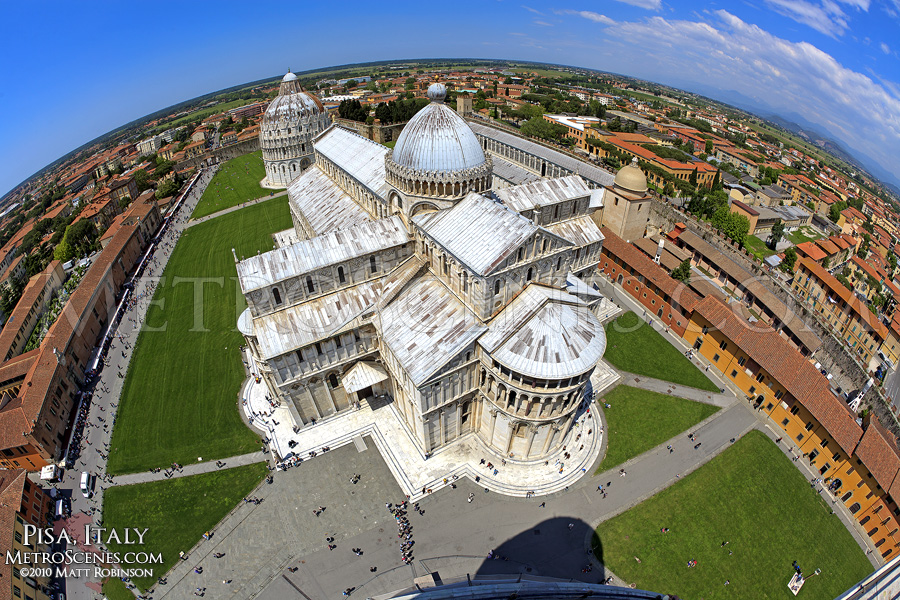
(73, 71)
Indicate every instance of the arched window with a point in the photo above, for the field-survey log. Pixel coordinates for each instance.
(309, 285)
(855, 508)
(530, 274)
(846, 496)
(276, 295)
(341, 277)
(372, 265)
(465, 279)
(497, 288)
(520, 254)
(332, 381)
(872, 531)
(879, 543)
(865, 519)
(544, 245)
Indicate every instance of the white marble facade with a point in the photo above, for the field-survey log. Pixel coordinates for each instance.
(471, 310)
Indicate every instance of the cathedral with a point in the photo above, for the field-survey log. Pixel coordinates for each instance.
(419, 282)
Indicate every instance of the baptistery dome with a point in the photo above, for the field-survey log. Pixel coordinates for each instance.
(288, 127)
(437, 156)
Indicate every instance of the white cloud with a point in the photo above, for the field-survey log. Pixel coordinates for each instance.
(534, 10)
(543, 23)
(589, 15)
(827, 18)
(648, 4)
(790, 77)
(885, 48)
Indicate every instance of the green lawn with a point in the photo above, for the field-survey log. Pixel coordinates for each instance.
(115, 589)
(803, 234)
(635, 347)
(757, 247)
(236, 182)
(177, 512)
(752, 497)
(180, 396)
(638, 420)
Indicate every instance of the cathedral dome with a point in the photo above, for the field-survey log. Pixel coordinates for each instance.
(438, 139)
(631, 179)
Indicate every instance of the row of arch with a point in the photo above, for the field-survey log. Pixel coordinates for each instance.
(527, 405)
(444, 189)
(531, 162)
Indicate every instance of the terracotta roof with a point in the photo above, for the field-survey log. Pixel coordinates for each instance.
(878, 451)
(788, 367)
(651, 271)
(811, 250)
(745, 207)
(828, 247)
(12, 487)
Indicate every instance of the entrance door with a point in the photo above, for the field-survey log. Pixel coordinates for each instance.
(364, 393)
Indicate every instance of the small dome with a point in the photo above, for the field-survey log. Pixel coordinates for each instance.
(290, 77)
(438, 139)
(437, 92)
(631, 179)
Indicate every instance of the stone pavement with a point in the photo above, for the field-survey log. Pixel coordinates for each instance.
(108, 387)
(192, 469)
(682, 391)
(225, 211)
(416, 474)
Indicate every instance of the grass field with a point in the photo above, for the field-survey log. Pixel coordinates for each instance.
(803, 234)
(115, 589)
(638, 420)
(180, 396)
(236, 182)
(752, 497)
(177, 512)
(634, 346)
(757, 247)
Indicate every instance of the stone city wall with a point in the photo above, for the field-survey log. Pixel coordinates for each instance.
(221, 154)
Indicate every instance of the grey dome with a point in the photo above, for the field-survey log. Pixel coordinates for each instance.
(437, 138)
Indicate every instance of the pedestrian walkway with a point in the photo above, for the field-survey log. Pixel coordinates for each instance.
(193, 469)
(225, 211)
(682, 391)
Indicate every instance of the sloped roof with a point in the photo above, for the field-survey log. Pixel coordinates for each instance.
(332, 248)
(543, 192)
(324, 205)
(478, 232)
(788, 367)
(426, 325)
(359, 157)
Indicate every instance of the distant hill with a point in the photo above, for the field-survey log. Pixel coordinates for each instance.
(816, 139)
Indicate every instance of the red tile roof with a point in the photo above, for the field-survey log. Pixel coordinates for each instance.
(788, 367)
(651, 271)
(878, 452)
(838, 289)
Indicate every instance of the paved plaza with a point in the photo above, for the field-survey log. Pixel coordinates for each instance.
(277, 549)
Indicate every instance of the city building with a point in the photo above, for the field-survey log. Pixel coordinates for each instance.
(413, 283)
(843, 310)
(291, 122)
(22, 502)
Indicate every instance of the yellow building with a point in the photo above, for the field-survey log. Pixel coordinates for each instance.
(847, 315)
(859, 466)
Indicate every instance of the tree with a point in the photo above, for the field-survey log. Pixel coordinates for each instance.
(733, 225)
(167, 188)
(78, 241)
(834, 213)
(775, 235)
(709, 147)
(693, 178)
(141, 180)
(717, 180)
(540, 127)
(682, 272)
(790, 259)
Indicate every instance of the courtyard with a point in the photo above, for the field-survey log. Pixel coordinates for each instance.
(179, 402)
